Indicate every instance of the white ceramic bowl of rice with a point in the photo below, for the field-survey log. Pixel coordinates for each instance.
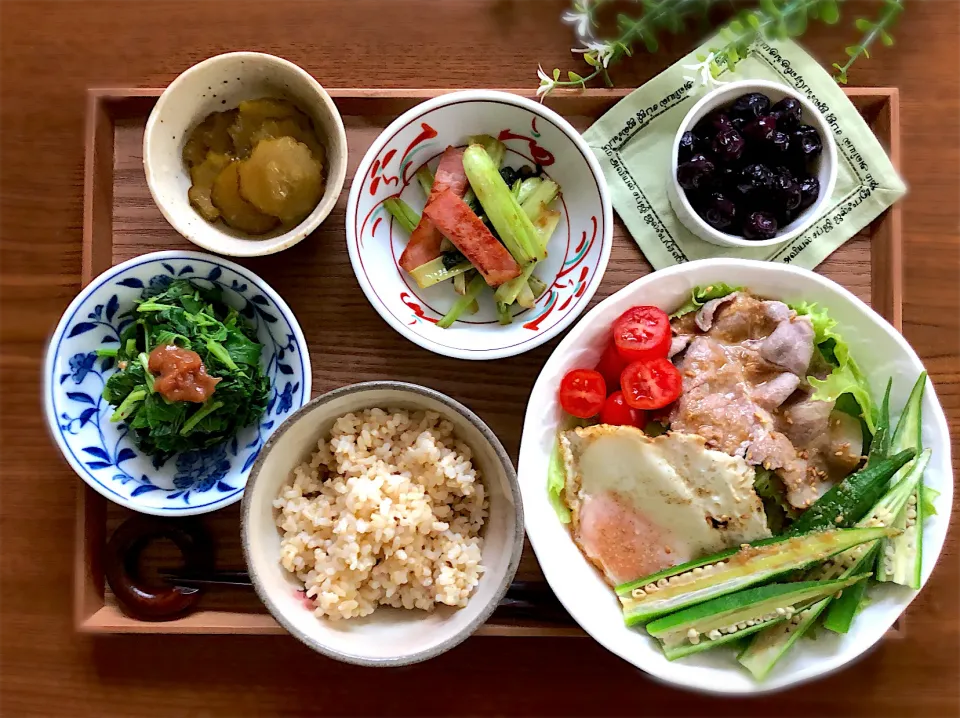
(382, 523)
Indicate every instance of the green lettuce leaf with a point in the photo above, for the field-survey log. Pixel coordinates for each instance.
(556, 480)
(556, 474)
(701, 295)
(927, 497)
(846, 377)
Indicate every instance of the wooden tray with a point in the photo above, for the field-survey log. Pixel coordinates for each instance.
(348, 340)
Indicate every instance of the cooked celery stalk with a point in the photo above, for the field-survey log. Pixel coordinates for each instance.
(425, 178)
(473, 308)
(463, 303)
(494, 147)
(503, 314)
(512, 224)
(901, 559)
(526, 188)
(546, 224)
(541, 196)
(525, 298)
(405, 215)
(537, 286)
(460, 284)
(515, 189)
(436, 271)
(508, 292)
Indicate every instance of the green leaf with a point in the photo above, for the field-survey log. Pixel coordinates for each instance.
(700, 57)
(886, 38)
(846, 377)
(830, 12)
(701, 295)
(797, 25)
(556, 480)
(866, 52)
(737, 27)
(574, 77)
(753, 21)
(863, 25)
(851, 50)
(590, 59)
(650, 41)
(927, 497)
(770, 8)
(556, 73)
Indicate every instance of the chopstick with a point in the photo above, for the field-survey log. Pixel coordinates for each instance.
(527, 598)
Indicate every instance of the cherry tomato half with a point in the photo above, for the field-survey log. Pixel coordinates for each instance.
(651, 384)
(611, 366)
(615, 411)
(582, 393)
(642, 333)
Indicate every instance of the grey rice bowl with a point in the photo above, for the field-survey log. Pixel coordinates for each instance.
(382, 523)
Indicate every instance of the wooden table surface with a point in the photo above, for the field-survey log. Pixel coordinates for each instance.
(52, 51)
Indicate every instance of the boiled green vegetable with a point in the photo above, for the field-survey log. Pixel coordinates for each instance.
(847, 502)
(738, 615)
(901, 560)
(734, 569)
(194, 318)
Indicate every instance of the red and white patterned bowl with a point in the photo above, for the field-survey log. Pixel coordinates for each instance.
(577, 253)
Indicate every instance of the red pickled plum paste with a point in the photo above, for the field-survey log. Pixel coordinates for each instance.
(181, 375)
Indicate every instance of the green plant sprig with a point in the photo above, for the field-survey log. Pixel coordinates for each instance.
(872, 30)
(772, 19)
(658, 15)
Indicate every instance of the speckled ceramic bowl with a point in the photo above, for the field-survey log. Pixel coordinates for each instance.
(389, 636)
(221, 83)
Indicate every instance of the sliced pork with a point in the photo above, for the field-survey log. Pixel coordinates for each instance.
(678, 344)
(771, 394)
(744, 362)
(705, 316)
(790, 345)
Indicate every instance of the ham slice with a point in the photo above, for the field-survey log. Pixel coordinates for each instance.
(470, 235)
(424, 244)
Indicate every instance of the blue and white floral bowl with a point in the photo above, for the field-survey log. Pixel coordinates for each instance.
(100, 451)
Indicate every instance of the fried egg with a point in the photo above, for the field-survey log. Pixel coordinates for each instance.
(640, 504)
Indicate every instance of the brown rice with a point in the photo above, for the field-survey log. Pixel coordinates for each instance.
(388, 511)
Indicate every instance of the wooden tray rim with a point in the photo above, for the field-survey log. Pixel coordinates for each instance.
(91, 613)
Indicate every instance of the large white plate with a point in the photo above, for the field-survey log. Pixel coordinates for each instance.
(881, 353)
